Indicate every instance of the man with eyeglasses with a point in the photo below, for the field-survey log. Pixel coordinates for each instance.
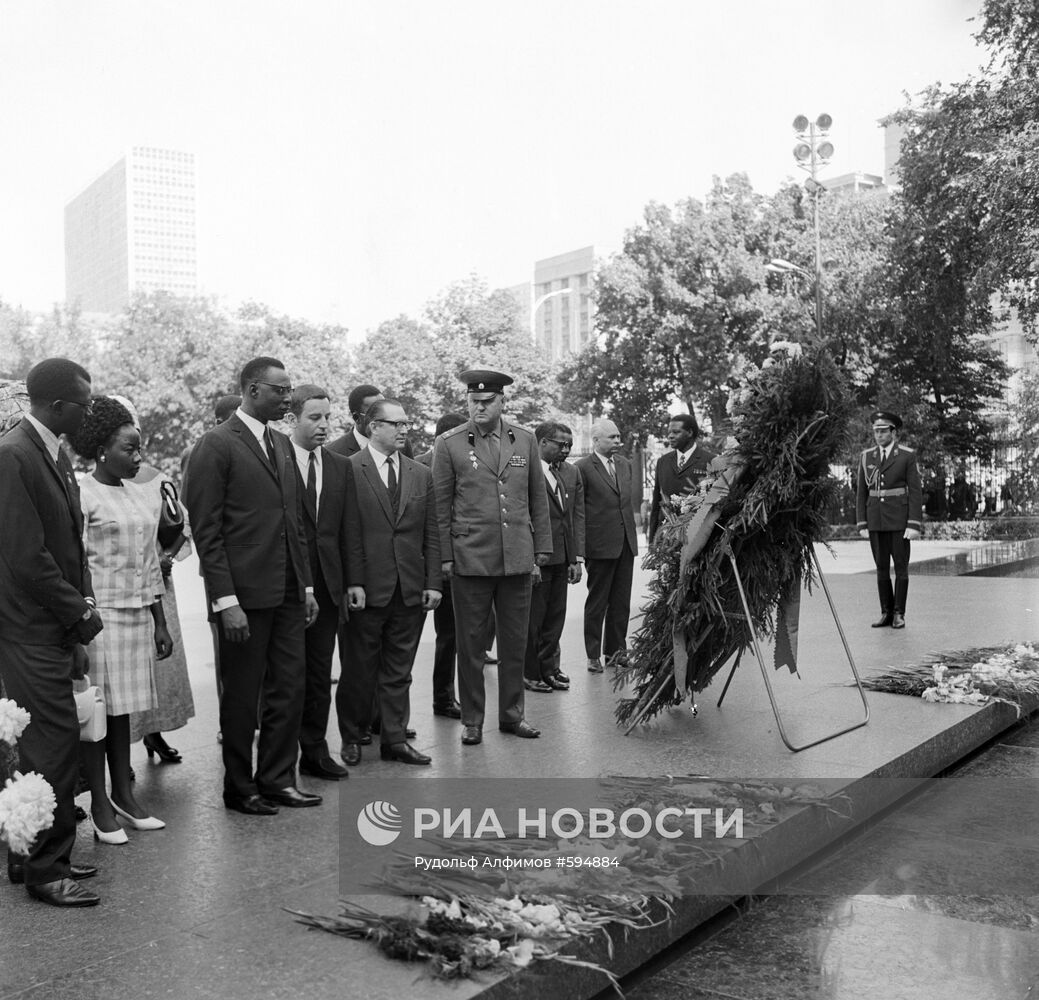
(393, 579)
(354, 440)
(494, 536)
(548, 598)
(47, 614)
(247, 518)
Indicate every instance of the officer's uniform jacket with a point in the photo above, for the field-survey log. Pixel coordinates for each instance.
(492, 521)
(889, 496)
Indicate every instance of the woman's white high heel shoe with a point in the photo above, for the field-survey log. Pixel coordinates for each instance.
(115, 837)
(148, 823)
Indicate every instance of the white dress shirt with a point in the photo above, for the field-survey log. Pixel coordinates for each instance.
(549, 477)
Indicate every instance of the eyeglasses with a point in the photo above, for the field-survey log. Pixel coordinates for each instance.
(281, 390)
(401, 425)
(562, 444)
(87, 408)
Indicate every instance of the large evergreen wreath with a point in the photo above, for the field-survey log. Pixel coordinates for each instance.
(766, 506)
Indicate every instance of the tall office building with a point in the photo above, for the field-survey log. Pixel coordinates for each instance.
(133, 229)
(563, 323)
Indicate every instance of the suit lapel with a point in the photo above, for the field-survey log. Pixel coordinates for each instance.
(236, 426)
(55, 471)
(506, 449)
(377, 485)
(604, 472)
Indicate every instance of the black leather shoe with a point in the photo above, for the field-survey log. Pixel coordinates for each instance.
(594, 666)
(562, 676)
(537, 686)
(404, 753)
(351, 754)
(883, 621)
(898, 621)
(472, 735)
(322, 767)
(63, 892)
(251, 805)
(558, 682)
(81, 814)
(521, 728)
(366, 739)
(293, 798)
(450, 711)
(16, 873)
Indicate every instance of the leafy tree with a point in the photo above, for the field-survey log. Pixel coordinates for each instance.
(677, 310)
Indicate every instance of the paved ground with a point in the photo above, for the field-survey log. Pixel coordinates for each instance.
(196, 910)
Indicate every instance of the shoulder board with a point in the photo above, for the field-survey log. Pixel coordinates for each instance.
(902, 447)
(455, 430)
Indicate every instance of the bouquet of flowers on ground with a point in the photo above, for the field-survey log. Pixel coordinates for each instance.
(26, 800)
(763, 506)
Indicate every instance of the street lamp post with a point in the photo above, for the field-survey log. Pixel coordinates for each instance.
(814, 150)
(537, 305)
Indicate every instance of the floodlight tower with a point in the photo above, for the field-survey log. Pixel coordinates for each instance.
(812, 151)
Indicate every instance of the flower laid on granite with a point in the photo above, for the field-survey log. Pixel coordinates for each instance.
(1007, 674)
(26, 800)
(26, 807)
(13, 720)
(460, 935)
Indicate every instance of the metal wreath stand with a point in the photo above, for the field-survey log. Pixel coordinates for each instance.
(764, 670)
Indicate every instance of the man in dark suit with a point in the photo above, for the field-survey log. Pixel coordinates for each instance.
(322, 482)
(247, 518)
(393, 578)
(574, 486)
(494, 536)
(681, 470)
(548, 598)
(444, 701)
(47, 614)
(610, 545)
(354, 440)
(889, 502)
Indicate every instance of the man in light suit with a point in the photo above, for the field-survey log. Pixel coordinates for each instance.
(322, 479)
(610, 545)
(681, 470)
(354, 440)
(889, 506)
(494, 536)
(548, 598)
(393, 578)
(47, 614)
(247, 519)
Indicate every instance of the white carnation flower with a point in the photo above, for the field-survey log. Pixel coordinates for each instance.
(13, 721)
(26, 807)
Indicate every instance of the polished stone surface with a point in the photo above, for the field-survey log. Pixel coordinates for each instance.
(197, 909)
(852, 948)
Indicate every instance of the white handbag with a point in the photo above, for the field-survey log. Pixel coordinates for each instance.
(91, 711)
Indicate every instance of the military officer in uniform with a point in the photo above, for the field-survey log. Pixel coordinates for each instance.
(889, 502)
(680, 470)
(494, 536)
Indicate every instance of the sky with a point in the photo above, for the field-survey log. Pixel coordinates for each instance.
(354, 158)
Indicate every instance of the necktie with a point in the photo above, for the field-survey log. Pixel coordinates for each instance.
(613, 471)
(560, 493)
(312, 481)
(392, 485)
(66, 473)
(268, 442)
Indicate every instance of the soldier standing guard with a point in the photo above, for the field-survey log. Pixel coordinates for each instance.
(494, 536)
(889, 503)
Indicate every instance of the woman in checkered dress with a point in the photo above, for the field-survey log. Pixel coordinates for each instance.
(120, 528)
